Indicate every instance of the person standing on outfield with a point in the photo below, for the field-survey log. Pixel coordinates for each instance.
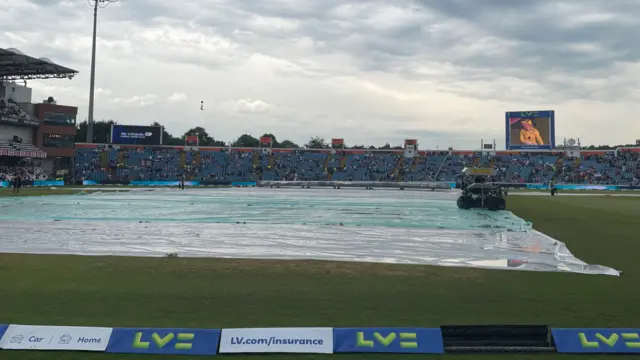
(182, 179)
(17, 183)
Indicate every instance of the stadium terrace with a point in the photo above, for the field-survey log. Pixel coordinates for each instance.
(111, 163)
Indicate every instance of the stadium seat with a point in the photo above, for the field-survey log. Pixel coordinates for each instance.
(169, 164)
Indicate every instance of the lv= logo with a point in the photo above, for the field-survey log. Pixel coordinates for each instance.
(183, 341)
(610, 341)
(388, 340)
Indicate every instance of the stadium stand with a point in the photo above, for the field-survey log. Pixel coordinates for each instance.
(29, 173)
(18, 146)
(11, 110)
(19, 136)
(107, 163)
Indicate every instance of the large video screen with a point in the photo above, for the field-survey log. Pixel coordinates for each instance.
(136, 135)
(530, 130)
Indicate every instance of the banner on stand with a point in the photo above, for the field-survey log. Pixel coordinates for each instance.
(3, 328)
(164, 341)
(601, 341)
(388, 340)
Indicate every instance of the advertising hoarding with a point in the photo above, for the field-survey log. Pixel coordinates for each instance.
(136, 135)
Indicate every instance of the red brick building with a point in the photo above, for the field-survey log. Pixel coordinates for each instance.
(57, 130)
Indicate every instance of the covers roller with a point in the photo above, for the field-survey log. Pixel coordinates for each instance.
(480, 194)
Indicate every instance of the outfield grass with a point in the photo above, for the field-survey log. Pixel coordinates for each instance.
(213, 293)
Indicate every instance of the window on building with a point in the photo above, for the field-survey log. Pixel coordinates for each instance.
(56, 118)
(58, 141)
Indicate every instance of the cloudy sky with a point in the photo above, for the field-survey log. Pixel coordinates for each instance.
(370, 71)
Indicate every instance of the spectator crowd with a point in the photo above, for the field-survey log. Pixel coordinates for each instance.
(157, 164)
(10, 110)
(27, 173)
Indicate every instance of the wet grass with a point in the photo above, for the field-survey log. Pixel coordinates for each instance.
(214, 293)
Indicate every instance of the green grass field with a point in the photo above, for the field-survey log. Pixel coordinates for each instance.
(213, 293)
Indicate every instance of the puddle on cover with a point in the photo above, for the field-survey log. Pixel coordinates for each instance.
(390, 226)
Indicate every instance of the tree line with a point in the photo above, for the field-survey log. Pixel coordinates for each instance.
(102, 133)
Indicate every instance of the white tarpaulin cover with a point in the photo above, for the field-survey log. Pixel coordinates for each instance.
(391, 226)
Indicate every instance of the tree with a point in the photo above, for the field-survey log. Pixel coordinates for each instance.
(288, 144)
(168, 139)
(81, 132)
(606, 147)
(101, 131)
(246, 140)
(102, 134)
(317, 143)
(203, 137)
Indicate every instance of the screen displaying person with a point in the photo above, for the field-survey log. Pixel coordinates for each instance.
(529, 135)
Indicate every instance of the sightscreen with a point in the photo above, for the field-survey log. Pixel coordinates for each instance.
(136, 135)
(532, 130)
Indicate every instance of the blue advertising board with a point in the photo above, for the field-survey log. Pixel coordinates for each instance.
(537, 186)
(164, 341)
(586, 187)
(35, 183)
(597, 340)
(530, 130)
(575, 187)
(48, 183)
(244, 183)
(3, 329)
(252, 184)
(163, 183)
(388, 340)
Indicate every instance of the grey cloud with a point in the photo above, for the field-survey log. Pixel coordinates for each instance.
(541, 40)
(544, 51)
(541, 30)
(292, 9)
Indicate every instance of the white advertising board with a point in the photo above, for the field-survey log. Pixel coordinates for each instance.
(277, 340)
(29, 337)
